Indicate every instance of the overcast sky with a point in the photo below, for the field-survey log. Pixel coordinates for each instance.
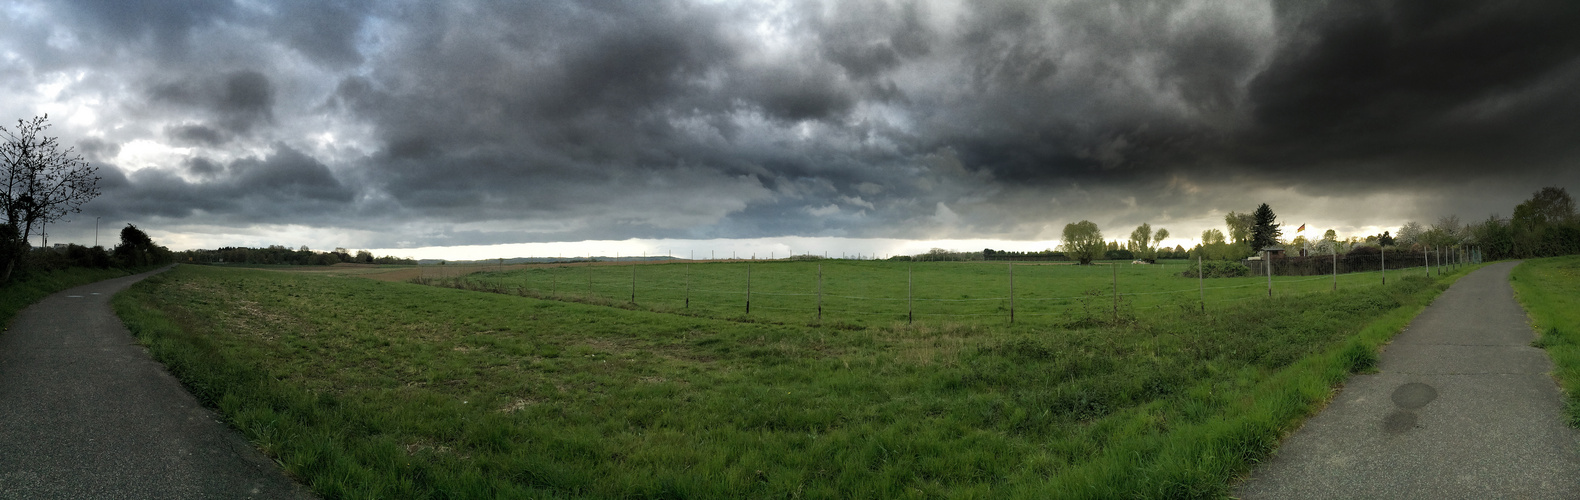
(398, 125)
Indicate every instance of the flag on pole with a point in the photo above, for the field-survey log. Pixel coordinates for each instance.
(1302, 228)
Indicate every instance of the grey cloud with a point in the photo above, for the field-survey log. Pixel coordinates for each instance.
(237, 102)
(197, 135)
(287, 174)
(203, 168)
(324, 30)
(285, 183)
(97, 150)
(165, 23)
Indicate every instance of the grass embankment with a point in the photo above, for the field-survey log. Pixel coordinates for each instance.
(370, 389)
(18, 295)
(878, 293)
(1550, 291)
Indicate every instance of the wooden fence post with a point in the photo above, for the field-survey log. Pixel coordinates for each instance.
(1012, 292)
(1116, 291)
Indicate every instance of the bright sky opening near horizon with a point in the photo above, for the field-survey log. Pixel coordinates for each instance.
(470, 130)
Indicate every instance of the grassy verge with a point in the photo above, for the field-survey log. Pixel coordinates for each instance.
(368, 389)
(1550, 291)
(22, 293)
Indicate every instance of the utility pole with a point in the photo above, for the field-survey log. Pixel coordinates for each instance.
(95, 231)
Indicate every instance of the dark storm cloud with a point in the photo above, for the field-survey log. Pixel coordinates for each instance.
(571, 120)
(1031, 95)
(1456, 85)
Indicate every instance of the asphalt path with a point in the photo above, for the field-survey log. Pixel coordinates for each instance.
(1461, 407)
(86, 413)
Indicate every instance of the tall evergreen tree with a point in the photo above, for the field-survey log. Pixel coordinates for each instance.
(1265, 231)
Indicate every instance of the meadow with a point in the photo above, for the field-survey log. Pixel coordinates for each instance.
(878, 293)
(370, 389)
(1550, 291)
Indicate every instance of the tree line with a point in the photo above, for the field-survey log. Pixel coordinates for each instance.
(135, 251)
(1544, 225)
(282, 255)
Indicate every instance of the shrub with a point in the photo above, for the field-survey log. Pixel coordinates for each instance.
(1120, 254)
(1218, 269)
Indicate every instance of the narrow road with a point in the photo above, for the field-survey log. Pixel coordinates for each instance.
(86, 413)
(1461, 407)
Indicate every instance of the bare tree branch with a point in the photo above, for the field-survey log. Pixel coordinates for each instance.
(39, 182)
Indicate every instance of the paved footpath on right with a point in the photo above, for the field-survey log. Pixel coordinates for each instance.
(1461, 407)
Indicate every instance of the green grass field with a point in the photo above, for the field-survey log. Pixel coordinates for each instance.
(1550, 291)
(368, 389)
(878, 293)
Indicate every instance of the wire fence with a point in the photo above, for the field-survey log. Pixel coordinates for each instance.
(878, 292)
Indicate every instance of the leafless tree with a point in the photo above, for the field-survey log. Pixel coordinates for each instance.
(40, 183)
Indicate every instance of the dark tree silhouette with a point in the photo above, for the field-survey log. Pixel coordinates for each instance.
(39, 183)
(1265, 231)
(137, 249)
